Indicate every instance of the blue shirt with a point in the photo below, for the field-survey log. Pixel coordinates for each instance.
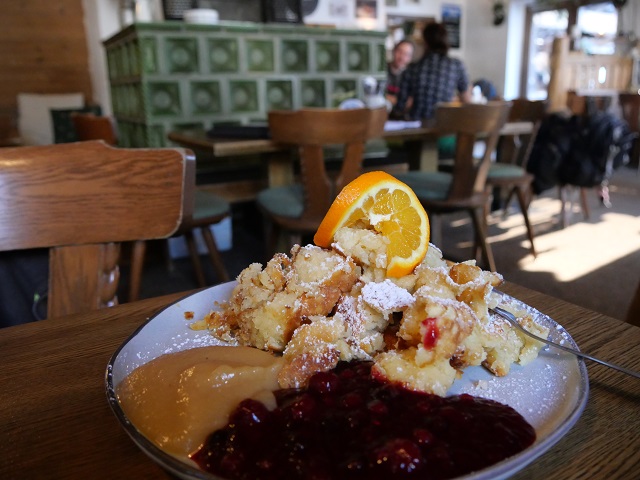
(433, 79)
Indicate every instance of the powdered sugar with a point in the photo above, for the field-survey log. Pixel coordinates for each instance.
(386, 296)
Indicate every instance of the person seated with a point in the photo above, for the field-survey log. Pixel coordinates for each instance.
(433, 79)
(402, 56)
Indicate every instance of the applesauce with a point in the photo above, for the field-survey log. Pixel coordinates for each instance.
(177, 399)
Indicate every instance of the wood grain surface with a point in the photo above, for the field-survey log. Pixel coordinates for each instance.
(55, 421)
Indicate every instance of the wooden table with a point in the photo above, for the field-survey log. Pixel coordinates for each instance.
(55, 421)
(420, 143)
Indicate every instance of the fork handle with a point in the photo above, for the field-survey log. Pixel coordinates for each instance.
(595, 359)
(509, 316)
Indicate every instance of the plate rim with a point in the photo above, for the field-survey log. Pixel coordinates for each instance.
(499, 470)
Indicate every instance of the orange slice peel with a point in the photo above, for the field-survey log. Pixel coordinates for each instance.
(379, 201)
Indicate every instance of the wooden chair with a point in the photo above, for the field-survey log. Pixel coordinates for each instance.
(81, 200)
(94, 127)
(298, 209)
(463, 189)
(510, 172)
(208, 209)
(630, 110)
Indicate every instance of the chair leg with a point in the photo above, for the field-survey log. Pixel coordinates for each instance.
(214, 253)
(522, 200)
(195, 258)
(564, 215)
(138, 251)
(584, 204)
(507, 201)
(481, 238)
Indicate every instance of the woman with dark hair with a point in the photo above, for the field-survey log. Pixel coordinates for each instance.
(434, 78)
(402, 56)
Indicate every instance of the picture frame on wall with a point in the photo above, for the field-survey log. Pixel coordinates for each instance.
(451, 16)
(366, 9)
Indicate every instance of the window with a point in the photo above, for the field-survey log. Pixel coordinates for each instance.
(592, 25)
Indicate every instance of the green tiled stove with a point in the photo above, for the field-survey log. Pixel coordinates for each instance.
(176, 76)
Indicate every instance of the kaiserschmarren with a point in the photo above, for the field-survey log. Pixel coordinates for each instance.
(320, 306)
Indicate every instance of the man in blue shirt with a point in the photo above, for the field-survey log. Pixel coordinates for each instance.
(434, 78)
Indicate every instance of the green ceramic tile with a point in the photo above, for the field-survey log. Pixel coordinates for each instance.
(244, 96)
(125, 66)
(382, 58)
(242, 27)
(223, 55)
(112, 64)
(156, 137)
(278, 28)
(124, 134)
(328, 56)
(279, 95)
(134, 58)
(193, 127)
(205, 97)
(342, 90)
(259, 55)
(164, 98)
(149, 55)
(132, 102)
(132, 135)
(197, 27)
(313, 93)
(159, 26)
(157, 84)
(181, 55)
(115, 102)
(358, 57)
(295, 56)
(121, 54)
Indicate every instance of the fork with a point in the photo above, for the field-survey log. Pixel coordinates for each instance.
(512, 319)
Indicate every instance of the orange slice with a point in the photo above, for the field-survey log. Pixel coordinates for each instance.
(378, 201)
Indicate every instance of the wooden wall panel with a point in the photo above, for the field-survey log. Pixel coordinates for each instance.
(43, 49)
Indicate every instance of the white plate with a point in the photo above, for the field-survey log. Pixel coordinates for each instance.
(551, 392)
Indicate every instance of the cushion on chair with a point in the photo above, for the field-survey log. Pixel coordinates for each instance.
(428, 185)
(287, 201)
(505, 170)
(447, 147)
(208, 205)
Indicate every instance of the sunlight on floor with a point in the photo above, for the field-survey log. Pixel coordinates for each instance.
(582, 248)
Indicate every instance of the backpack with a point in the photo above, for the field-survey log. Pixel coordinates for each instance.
(579, 150)
(603, 145)
(551, 146)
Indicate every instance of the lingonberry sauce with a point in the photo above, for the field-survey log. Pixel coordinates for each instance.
(347, 425)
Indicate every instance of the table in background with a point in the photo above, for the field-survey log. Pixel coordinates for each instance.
(420, 144)
(55, 421)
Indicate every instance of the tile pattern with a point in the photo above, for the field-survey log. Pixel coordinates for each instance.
(174, 76)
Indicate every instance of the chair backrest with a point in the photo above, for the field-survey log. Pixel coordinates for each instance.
(94, 127)
(80, 200)
(311, 130)
(588, 104)
(471, 123)
(630, 109)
